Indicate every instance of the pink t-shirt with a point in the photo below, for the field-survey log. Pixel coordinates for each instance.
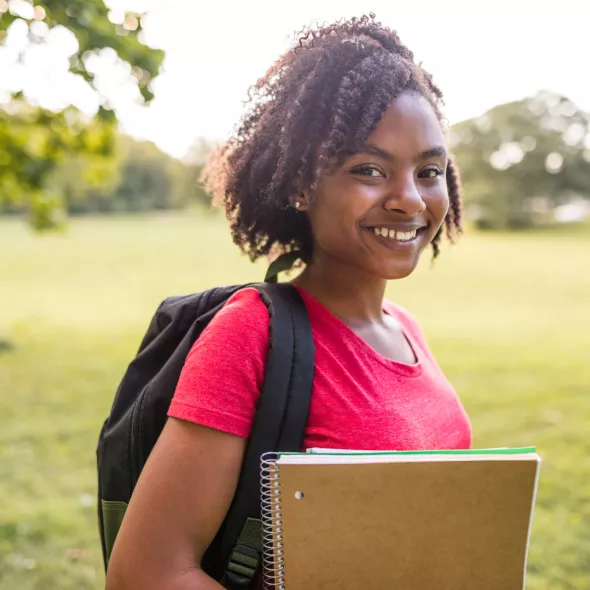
(360, 399)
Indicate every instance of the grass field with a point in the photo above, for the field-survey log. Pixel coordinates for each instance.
(508, 317)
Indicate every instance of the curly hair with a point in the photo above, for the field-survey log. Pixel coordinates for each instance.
(313, 106)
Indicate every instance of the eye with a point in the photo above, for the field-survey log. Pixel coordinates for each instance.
(373, 171)
(430, 173)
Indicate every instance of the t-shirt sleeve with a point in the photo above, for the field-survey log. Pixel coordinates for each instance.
(223, 374)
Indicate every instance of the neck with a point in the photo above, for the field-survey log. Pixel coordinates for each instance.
(348, 292)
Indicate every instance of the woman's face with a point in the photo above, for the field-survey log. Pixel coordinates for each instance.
(381, 208)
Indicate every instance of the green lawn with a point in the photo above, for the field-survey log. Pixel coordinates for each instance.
(507, 315)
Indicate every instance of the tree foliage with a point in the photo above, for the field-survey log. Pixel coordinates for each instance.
(137, 177)
(521, 159)
(34, 141)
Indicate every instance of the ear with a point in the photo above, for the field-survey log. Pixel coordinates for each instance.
(301, 202)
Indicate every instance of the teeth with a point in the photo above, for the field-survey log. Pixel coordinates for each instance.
(401, 236)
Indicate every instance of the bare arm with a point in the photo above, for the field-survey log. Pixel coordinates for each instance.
(180, 501)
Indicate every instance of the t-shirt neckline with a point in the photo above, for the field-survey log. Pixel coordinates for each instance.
(389, 309)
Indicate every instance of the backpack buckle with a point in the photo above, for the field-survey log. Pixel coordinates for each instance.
(242, 567)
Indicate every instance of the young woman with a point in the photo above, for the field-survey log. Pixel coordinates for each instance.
(341, 156)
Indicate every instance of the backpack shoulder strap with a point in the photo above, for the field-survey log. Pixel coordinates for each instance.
(279, 424)
(289, 377)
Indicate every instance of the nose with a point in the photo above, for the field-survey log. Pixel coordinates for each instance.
(404, 197)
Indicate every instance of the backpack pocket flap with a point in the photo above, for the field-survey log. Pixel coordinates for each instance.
(112, 516)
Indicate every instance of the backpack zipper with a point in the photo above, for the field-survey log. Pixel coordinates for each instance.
(135, 442)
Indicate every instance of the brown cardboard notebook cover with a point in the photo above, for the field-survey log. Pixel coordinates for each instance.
(452, 525)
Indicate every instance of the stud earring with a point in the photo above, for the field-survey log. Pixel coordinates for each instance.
(297, 205)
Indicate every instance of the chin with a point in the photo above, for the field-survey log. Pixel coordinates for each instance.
(400, 273)
(396, 267)
(392, 272)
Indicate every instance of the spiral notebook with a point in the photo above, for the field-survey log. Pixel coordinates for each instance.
(449, 520)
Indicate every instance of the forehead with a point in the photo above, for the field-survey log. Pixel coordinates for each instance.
(408, 125)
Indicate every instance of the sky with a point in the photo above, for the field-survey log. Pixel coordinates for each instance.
(480, 53)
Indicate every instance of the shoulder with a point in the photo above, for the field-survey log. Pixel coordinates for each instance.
(244, 307)
(242, 324)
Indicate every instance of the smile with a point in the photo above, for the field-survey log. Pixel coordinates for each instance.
(397, 235)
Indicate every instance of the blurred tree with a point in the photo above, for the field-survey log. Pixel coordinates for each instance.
(140, 177)
(149, 179)
(33, 140)
(194, 161)
(85, 183)
(520, 160)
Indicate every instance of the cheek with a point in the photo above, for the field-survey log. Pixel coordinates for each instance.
(437, 204)
(335, 212)
(328, 223)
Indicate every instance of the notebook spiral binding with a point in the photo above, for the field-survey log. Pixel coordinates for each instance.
(272, 525)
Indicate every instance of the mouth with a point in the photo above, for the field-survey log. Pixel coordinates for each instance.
(391, 236)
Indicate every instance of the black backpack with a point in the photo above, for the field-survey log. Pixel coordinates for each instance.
(139, 413)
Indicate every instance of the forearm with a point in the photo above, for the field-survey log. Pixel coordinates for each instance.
(196, 580)
(193, 579)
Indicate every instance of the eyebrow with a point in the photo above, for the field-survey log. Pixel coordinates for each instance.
(438, 151)
(369, 148)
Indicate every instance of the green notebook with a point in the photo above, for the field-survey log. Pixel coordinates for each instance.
(496, 451)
